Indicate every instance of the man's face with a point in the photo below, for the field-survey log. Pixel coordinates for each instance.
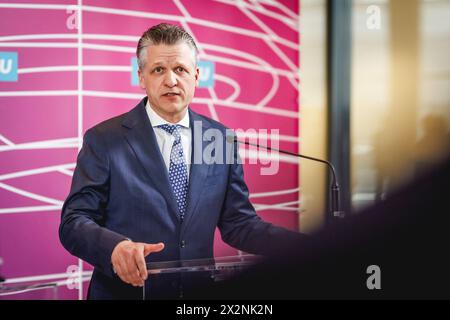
(169, 78)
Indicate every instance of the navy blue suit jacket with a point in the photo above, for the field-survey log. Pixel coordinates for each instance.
(120, 189)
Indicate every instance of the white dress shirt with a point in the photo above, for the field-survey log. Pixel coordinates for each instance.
(165, 140)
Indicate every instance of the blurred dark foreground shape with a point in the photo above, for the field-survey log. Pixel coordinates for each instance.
(407, 236)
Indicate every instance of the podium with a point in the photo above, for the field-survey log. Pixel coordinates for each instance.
(219, 268)
(31, 290)
(217, 265)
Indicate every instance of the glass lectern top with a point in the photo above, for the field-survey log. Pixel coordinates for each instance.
(208, 264)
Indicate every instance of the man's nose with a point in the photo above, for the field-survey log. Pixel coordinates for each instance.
(170, 79)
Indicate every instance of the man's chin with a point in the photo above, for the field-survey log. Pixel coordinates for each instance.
(174, 108)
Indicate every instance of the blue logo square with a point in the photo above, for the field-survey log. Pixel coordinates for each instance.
(134, 72)
(8, 66)
(207, 69)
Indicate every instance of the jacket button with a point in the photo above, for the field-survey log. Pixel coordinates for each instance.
(183, 243)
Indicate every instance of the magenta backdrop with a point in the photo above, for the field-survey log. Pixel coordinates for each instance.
(58, 96)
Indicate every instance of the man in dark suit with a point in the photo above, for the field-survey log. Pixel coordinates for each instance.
(136, 189)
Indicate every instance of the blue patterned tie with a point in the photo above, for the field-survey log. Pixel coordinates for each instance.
(178, 176)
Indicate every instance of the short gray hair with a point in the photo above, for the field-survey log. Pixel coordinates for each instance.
(163, 33)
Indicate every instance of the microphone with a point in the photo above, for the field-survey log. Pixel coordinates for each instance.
(335, 202)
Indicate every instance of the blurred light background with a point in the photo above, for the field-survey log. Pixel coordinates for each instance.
(399, 97)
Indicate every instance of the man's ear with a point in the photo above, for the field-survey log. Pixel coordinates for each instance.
(141, 79)
(197, 75)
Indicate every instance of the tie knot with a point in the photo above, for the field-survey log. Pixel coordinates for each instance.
(171, 128)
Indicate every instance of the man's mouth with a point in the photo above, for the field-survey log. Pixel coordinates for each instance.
(171, 94)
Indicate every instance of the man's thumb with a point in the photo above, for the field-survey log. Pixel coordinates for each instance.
(150, 247)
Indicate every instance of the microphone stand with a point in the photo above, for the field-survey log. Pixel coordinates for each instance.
(335, 203)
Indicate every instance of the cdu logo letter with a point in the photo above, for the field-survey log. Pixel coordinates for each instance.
(134, 72)
(8, 66)
(206, 74)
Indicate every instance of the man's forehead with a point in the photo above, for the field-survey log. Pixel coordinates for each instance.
(163, 53)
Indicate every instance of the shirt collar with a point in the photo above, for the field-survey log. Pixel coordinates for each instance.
(156, 119)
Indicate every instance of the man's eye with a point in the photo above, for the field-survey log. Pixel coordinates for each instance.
(158, 70)
(179, 69)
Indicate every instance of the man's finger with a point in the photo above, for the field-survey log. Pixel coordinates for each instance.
(121, 272)
(140, 262)
(126, 271)
(149, 248)
(132, 271)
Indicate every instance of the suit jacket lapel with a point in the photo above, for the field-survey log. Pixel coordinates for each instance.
(198, 171)
(142, 140)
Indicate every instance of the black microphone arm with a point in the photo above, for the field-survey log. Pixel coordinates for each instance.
(335, 203)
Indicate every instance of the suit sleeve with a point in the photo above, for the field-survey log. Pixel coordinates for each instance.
(242, 228)
(81, 230)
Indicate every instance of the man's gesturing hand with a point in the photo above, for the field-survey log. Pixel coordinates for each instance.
(128, 260)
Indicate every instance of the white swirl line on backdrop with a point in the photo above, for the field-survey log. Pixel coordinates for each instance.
(133, 13)
(134, 96)
(115, 48)
(30, 195)
(35, 171)
(291, 22)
